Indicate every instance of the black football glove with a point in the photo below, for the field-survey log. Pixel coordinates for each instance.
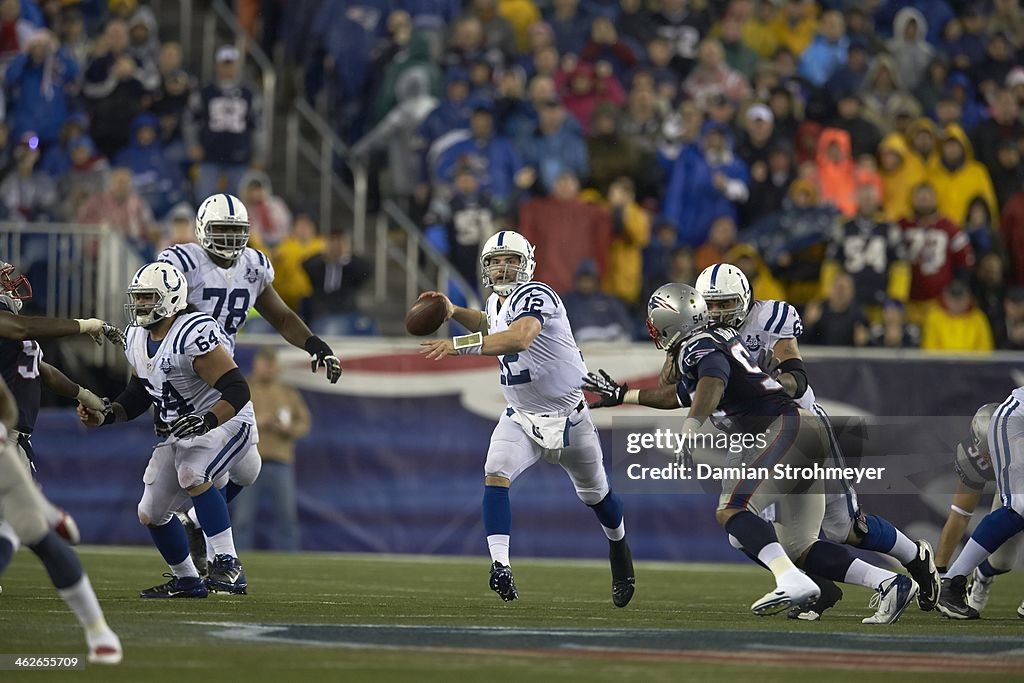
(188, 426)
(611, 392)
(323, 357)
(768, 363)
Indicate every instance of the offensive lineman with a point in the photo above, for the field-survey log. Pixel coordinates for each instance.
(719, 377)
(182, 368)
(524, 324)
(226, 278)
(771, 328)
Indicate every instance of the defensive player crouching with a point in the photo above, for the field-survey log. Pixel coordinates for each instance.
(181, 367)
(717, 375)
(526, 327)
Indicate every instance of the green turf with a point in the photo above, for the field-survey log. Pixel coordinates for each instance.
(163, 641)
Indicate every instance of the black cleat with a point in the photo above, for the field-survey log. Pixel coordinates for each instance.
(922, 570)
(226, 576)
(830, 595)
(623, 576)
(953, 599)
(196, 544)
(177, 587)
(502, 582)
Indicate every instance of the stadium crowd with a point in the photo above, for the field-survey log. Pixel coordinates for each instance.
(862, 161)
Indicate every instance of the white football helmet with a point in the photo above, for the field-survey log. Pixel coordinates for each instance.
(675, 312)
(157, 291)
(724, 282)
(979, 425)
(501, 244)
(222, 226)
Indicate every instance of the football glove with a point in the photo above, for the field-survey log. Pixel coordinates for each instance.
(611, 392)
(188, 426)
(323, 357)
(768, 363)
(114, 335)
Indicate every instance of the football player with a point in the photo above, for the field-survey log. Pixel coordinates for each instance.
(525, 325)
(24, 371)
(770, 329)
(226, 277)
(182, 368)
(1005, 436)
(973, 465)
(24, 511)
(718, 376)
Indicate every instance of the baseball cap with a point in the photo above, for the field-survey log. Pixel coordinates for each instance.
(1015, 77)
(227, 53)
(760, 112)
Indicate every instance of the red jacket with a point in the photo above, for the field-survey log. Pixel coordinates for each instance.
(565, 233)
(936, 249)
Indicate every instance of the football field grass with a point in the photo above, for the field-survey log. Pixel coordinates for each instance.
(312, 617)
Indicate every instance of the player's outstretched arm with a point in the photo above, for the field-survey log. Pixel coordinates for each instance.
(614, 394)
(22, 327)
(57, 382)
(517, 338)
(290, 326)
(965, 500)
(217, 369)
(131, 403)
(470, 318)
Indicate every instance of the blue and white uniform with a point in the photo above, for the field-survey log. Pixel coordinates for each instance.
(1006, 447)
(546, 416)
(175, 389)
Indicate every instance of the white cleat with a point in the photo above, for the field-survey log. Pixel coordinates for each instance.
(794, 589)
(106, 649)
(891, 599)
(977, 597)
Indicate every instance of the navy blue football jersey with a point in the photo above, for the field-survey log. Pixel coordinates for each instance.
(719, 352)
(19, 364)
(866, 250)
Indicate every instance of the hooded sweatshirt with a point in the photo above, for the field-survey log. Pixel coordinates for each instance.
(957, 187)
(836, 178)
(898, 184)
(911, 57)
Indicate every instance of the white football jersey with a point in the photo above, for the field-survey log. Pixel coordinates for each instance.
(547, 376)
(165, 366)
(227, 294)
(768, 322)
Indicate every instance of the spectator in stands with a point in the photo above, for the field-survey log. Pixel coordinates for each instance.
(593, 315)
(827, 53)
(705, 182)
(894, 332)
(498, 33)
(721, 238)
(611, 154)
(452, 112)
(794, 26)
(303, 243)
(87, 175)
(492, 158)
(73, 36)
(156, 179)
(336, 276)
(1005, 125)
(991, 73)
(850, 76)
(27, 193)
(658, 67)
(565, 231)
(635, 22)
(1010, 335)
(282, 417)
(605, 46)
(738, 55)
(864, 135)
(966, 110)
(657, 256)
(569, 26)
(909, 46)
(901, 172)
(38, 83)
(144, 46)
(684, 28)
(758, 139)
(839, 320)
(180, 226)
(933, 84)
(923, 136)
(415, 58)
(631, 233)
(937, 249)
(979, 226)
(1012, 233)
(112, 89)
(762, 283)
(459, 227)
(835, 171)
(964, 47)
(15, 31)
(769, 186)
(881, 85)
(269, 217)
(587, 87)
(1008, 172)
(125, 211)
(555, 147)
(712, 76)
(988, 285)
(954, 323)
(170, 102)
(465, 44)
(958, 178)
(223, 128)
(521, 16)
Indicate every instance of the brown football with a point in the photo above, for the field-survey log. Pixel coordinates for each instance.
(425, 316)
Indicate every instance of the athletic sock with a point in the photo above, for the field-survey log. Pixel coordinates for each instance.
(497, 522)
(81, 598)
(185, 569)
(61, 562)
(995, 529)
(497, 545)
(868, 575)
(836, 562)
(609, 514)
(221, 544)
(757, 538)
(212, 510)
(171, 540)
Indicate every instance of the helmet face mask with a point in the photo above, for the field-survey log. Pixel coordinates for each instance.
(14, 285)
(506, 262)
(157, 292)
(227, 240)
(222, 226)
(727, 292)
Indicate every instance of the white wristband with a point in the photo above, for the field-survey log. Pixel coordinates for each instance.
(960, 511)
(691, 424)
(468, 344)
(632, 396)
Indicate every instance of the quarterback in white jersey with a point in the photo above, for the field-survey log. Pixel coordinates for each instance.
(526, 327)
(1005, 443)
(226, 277)
(183, 370)
(771, 329)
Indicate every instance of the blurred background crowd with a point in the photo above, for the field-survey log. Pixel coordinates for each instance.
(860, 160)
